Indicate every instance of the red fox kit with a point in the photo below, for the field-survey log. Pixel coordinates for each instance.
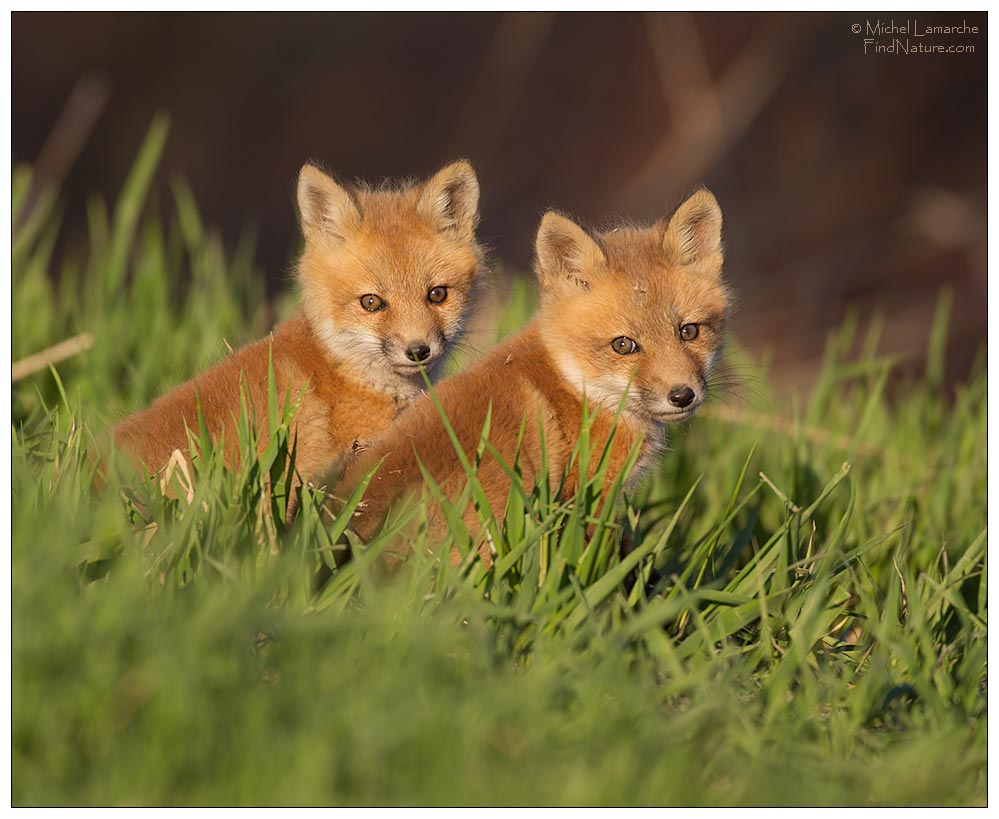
(632, 319)
(387, 281)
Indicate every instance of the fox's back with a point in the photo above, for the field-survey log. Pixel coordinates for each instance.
(499, 388)
(529, 407)
(328, 403)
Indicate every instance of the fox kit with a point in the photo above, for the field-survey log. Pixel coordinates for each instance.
(632, 319)
(387, 280)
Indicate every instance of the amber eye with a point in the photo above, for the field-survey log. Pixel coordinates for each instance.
(372, 303)
(689, 332)
(622, 345)
(437, 295)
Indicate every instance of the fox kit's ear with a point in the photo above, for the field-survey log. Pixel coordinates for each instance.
(450, 199)
(693, 234)
(327, 211)
(566, 254)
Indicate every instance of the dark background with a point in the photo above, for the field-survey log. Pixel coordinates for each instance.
(848, 181)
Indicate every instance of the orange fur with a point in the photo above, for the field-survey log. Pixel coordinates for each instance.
(397, 244)
(638, 284)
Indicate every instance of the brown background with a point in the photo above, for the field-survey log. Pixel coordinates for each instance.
(847, 181)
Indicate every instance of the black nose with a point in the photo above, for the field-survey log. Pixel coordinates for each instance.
(680, 396)
(418, 351)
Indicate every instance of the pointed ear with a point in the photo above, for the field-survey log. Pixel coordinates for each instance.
(565, 253)
(327, 212)
(693, 233)
(449, 200)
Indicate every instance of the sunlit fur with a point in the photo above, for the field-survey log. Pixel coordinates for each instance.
(397, 243)
(643, 283)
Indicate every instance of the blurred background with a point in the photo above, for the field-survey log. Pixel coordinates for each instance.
(850, 182)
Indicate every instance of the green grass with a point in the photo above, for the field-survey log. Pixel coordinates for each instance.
(802, 619)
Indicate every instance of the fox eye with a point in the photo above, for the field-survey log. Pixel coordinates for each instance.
(622, 345)
(689, 332)
(372, 303)
(437, 295)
